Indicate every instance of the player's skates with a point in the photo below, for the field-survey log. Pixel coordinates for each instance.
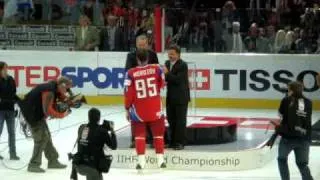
(139, 168)
(141, 164)
(161, 164)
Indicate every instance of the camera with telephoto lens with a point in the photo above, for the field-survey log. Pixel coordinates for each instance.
(108, 125)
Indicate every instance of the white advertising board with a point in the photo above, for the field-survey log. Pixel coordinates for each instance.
(249, 76)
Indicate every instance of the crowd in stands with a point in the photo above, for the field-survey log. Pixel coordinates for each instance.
(257, 26)
(280, 28)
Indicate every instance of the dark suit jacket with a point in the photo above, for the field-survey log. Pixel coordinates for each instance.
(178, 91)
(131, 61)
(119, 44)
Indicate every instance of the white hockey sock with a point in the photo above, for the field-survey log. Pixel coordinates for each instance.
(160, 159)
(142, 160)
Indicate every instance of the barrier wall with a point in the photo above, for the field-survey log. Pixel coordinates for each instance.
(221, 80)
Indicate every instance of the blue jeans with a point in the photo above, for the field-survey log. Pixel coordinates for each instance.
(301, 151)
(9, 118)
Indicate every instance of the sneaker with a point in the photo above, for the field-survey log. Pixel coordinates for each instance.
(56, 165)
(14, 158)
(35, 169)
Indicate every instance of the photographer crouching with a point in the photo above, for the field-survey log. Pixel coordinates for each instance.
(295, 131)
(90, 160)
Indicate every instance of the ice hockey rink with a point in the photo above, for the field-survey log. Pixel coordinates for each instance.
(64, 134)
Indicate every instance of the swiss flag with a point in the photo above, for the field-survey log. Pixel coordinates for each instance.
(199, 79)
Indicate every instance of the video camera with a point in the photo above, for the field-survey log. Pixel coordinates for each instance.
(73, 101)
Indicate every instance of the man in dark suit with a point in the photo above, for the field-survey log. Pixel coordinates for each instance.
(178, 97)
(112, 37)
(131, 62)
(141, 43)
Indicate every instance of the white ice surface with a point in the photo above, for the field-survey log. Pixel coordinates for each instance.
(64, 134)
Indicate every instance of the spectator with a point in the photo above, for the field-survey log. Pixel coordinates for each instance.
(312, 41)
(297, 8)
(181, 36)
(307, 43)
(263, 44)
(251, 41)
(289, 46)
(296, 32)
(1, 10)
(203, 37)
(229, 15)
(168, 34)
(88, 10)
(234, 41)
(273, 18)
(318, 42)
(279, 42)
(72, 10)
(271, 35)
(25, 9)
(193, 40)
(219, 41)
(112, 36)
(10, 12)
(87, 38)
(198, 40)
(147, 20)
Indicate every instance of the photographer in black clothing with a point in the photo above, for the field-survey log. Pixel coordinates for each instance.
(8, 98)
(91, 140)
(295, 131)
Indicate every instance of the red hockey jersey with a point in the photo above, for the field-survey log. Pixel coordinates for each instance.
(142, 93)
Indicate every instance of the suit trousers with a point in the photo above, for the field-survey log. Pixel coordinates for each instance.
(177, 119)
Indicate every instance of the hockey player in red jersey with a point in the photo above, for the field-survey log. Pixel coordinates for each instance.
(144, 108)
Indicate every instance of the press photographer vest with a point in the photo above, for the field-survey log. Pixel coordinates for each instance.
(90, 145)
(298, 119)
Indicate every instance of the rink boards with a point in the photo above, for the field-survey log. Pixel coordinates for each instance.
(216, 80)
(245, 153)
